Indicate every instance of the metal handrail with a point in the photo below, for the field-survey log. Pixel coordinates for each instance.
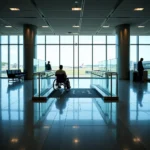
(40, 74)
(107, 73)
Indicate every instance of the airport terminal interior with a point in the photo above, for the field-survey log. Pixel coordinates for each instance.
(99, 43)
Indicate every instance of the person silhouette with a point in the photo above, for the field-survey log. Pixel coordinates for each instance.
(140, 70)
(62, 76)
(48, 66)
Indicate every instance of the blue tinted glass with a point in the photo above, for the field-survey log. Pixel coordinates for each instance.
(133, 39)
(144, 39)
(4, 39)
(13, 39)
(111, 39)
(41, 39)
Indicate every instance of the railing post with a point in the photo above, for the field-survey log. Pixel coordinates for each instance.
(111, 84)
(117, 84)
(39, 84)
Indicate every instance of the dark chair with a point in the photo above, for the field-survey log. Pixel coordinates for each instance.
(15, 75)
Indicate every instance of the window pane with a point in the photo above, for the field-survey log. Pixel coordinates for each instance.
(66, 39)
(99, 39)
(5, 115)
(85, 62)
(133, 56)
(99, 55)
(75, 60)
(41, 52)
(40, 39)
(52, 55)
(75, 39)
(66, 59)
(13, 39)
(21, 57)
(85, 39)
(133, 39)
(111, 39)
(111, 52)
(4, 39)
(54, 39)
(144, 39)
(4, 60)
(21, 39)
(144, 52)
(111, 58)
(13, 57)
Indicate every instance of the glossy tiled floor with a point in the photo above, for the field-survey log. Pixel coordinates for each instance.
(74, 123)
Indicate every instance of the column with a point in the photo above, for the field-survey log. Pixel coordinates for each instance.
(123, 51)
(29, 33)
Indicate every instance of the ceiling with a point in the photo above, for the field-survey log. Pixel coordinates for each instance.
(57, 14)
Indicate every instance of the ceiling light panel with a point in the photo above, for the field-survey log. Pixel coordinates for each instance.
(45, 26)
(141, 26)
(14, 9)
(76, 8)
(105, 26)
(138, 9)
(75, 26)
(8, 26)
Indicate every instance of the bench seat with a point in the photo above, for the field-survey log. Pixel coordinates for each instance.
(15, 75)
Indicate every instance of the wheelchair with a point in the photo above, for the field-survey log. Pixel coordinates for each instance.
(60, 81)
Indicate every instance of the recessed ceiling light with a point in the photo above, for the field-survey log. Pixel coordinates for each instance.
(75, 33)
(105, 26)
(138, 9)
(76, 8)
(45, 26)
(141, 26)
(14, 9)
(8, 26)
(75, 26)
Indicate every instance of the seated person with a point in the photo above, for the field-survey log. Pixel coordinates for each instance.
(62, 77)
(48, 66)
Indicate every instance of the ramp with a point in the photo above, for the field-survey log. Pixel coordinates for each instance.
(76, 93)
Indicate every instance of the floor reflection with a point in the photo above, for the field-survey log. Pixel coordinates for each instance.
(61, 104)
(74, 123)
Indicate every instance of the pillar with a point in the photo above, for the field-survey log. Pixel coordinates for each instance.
(123, 50)
(29, 34)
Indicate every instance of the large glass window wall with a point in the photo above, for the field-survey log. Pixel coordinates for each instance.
(140, 48)
(11, 53)
(78, 54)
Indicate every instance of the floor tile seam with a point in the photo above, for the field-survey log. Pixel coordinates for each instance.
(44, 117)
(13, 127)
(9, 108)
(100, 110)
(44, 141)
(143, 111)
(86, 125)
(128, 128)
(62, 132)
